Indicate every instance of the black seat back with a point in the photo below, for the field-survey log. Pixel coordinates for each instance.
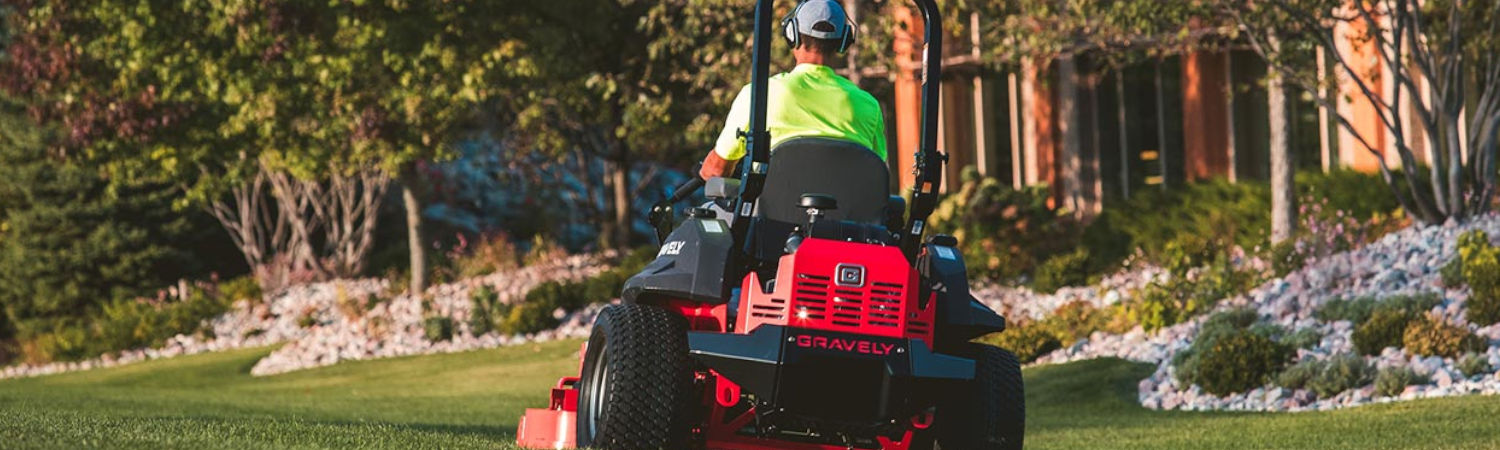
(848, 171)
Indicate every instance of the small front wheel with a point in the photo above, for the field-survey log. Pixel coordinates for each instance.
(635, 390)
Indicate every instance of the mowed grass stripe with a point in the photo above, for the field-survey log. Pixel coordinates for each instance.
(475, 399)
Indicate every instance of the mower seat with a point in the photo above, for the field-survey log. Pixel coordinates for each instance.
(847, 171)
(850, 173)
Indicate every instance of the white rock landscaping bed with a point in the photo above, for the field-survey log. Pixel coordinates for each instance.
(1403, 262)
(389, 328)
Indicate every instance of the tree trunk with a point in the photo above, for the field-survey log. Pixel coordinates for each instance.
(415, 239)
(620, 183)
(1283, 192)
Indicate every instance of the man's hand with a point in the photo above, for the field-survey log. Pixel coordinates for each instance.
(715, 166)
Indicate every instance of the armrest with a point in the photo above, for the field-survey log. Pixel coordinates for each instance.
(895, 213)
(722, 188)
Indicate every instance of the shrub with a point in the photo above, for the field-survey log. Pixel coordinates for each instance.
(1358, 194)
(530, 317)
(1472, 364)
(1239, 361)
(1481, 270)
(1303, 338)
(307, 320)
(1359, 310)
(485, 310)
(1158, 305)
(1391, 381)
(1298, 375)
(437, 328)
(1453, 273)
(1012, 228)
(1068, 269)
(1228, 323)
(1075, 320)
(1162, 304)
(1385, 328)
(1339, 374)
(241, 288)
(490, 253)
(1429, 336)
(1356, 310)
(1027, 341)
(1189, 251)
(1415, 304)
(1285, 257)
(543, 250)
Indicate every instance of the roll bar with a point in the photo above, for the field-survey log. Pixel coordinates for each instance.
(928, 166)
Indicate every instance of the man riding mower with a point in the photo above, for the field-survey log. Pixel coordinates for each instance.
(814, 316)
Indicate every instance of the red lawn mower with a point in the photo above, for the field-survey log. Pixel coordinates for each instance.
(813, 315)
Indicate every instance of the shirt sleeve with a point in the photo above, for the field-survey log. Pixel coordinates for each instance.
(730, 145)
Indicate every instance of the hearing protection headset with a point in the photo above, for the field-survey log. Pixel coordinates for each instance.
(793, 37)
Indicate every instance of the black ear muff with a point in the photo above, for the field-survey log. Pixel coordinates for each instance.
(848, 38)
(789, 26)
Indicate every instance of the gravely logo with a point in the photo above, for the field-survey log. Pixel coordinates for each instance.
(848, 345)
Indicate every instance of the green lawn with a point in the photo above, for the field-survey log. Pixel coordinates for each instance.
(474, 399)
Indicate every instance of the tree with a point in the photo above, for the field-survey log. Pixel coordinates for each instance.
(72, 239)
(633, 80)
(1433, 50)
(283, 118)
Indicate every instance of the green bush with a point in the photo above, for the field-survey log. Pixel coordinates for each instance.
(1004, 231)
(1453, 273)
(489, 254)
(1410, 303)
(1391, 381)
(1162, 304)
(1285, 258)
(1158, 305)
(307, 320)
(1385, 328)
(1303, 338)
(1207, 361)
(1359, 194)
(1187, 252)
(485, 310)
(241, 288)
(1473, 364)
(1359, 310)
(1027, 341)
(438, 328)
(1233, 213)
(1356, 310)
(1239, 361)
(1298, 375)
(1428, 336)
(1075, 320)
(1481, 270)
(123, 324)
(1339, 374)
(1068, 269)
(529, 317)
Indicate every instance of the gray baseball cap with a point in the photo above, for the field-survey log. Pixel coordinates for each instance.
(814, 12)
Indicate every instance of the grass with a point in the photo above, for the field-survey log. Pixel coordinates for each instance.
(475, 399)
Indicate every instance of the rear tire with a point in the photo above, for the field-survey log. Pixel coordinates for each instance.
(989, 412)
(635, 391)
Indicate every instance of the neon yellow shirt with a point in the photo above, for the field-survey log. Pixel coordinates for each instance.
(809, 101)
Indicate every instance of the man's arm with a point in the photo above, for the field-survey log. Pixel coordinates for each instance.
(715, 166)
(730, 147)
